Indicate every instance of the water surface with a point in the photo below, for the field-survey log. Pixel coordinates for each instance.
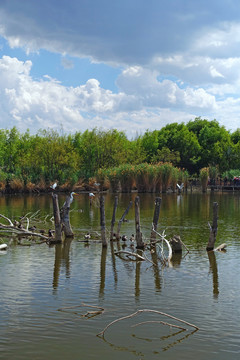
(42, 288)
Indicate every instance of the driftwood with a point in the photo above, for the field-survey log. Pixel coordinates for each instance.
(221, 247)
(128, 254)
(146, 310)
(19, 231)
(163, 238)
(159, 322)
(88, 314)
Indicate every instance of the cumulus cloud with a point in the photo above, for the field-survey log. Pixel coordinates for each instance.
(28, 103)
(180, 59)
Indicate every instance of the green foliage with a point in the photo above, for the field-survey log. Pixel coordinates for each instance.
(48, 156)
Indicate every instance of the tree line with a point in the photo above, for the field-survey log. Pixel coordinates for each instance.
(28, 160)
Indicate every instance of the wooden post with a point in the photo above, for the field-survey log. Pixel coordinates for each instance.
(121, 220)
(102, 222)
(155, 218)
(113, 217)
(213, 228)
(57, 219)
(65, 218)
(139, 241)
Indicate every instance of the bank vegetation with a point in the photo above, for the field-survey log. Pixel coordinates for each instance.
(159, 159)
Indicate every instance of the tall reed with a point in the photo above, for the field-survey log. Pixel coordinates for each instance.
(204, 175)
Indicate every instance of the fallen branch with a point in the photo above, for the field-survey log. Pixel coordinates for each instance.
(221, 247)
(6, 218)
(88, 314)
(159, 322)
(141, 311)
(128, 253)
(162, 236)
(21, 232)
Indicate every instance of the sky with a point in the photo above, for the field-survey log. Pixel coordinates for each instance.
(130, 65)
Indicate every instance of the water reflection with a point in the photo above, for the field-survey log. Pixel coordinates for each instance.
(102, 271)
(156, 273)
(214, 270)
(113, 257)
(62, 258)
(137, 277)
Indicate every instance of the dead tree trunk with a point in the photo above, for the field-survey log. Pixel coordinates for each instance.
(176, 244)
(139, 241)
(102, 222)
(57, 219)
(155, 218)
(65, 218)
(213, 228)
(121, 220)
(113, 217)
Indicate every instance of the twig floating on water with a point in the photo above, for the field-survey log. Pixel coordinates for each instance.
(145, 310)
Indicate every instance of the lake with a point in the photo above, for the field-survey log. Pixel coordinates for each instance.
(47, 291)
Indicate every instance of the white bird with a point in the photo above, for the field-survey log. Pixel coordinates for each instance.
(71, 196)
(91, 194)
(180, 187)
(53, 186)
(87, 236)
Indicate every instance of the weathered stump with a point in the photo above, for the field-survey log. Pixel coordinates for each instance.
(57, 219)
(113, 217)
(213, 228)
(122, 218)
(176, 244)
(65, 218)
(102, 222)
(139, 241)
(155, 219)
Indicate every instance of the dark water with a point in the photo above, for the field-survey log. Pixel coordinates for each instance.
(42, 288)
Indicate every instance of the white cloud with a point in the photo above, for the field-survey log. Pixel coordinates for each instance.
(33, 104)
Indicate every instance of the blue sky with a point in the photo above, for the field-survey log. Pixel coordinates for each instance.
(131, 64)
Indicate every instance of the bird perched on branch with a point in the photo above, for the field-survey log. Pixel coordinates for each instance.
(91, 195)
